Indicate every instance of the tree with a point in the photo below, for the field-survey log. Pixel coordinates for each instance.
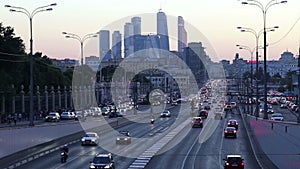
(9, 43)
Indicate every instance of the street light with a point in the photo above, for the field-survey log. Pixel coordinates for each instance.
(80, 39)
(257, 35)
(30, 16)
(264, 10)
(251, 69)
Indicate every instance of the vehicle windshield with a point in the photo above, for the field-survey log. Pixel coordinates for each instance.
(101, 160)
(234, 159)
(90, 135)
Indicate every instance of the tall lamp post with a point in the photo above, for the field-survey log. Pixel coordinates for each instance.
(251, 69)
(30, 16)
(80, 39)
(257, 35)
(264, 10)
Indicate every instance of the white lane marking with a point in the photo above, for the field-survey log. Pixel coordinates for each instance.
(186, 156)
(221, 148)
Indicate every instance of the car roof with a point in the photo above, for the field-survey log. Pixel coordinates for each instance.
(232, 120)
(197, 118)
(236, 156)
(103, 155)
(90, 133)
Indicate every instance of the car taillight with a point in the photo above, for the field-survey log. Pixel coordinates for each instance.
(234, 131)
(228, 123)
(192, 121)
(225, 131)
(237, 123)
(201, 121)
(242, 164)
(206, 114)
(227, 163)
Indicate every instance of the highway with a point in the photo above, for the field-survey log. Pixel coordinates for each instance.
(143, 136)
(190, 153)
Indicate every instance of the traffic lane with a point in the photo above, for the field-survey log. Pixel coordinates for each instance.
(240, 145)
(182, 151)
(85, 154)
(174, 153)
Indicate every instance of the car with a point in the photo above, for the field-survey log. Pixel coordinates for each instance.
(78, 115)
(114, 114)
(230, 132)
(228, 108)
(233, 104)
(277, 117)
(53, 116)
(197, 122)
(67, 116)
(123, 137)
(234, 162)
(96, 111)
(233, 123)
(207, 107)
(202, 113)
(270, 111)
(174, 103)
(102, 161)
(283, 106)
(165, 114)
(90, 138)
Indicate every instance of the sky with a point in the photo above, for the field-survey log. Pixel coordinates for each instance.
(215, 20)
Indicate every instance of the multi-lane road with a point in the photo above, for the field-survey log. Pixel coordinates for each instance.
(186, 150)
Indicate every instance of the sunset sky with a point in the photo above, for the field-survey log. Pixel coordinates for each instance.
(216, 20)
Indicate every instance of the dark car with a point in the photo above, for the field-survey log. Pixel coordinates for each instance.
(207, 107)
(102, 161)
(233, 123)
(228, 108)
(234, 162)
(230, 132)
(114, 114)
(123, 137)
(202, 113)
(197, 122)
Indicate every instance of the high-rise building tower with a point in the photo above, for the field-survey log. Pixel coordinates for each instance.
(116, 45)
(128, 39)
(162, 30)
(104, 43)
(136, 21)
(182, 35)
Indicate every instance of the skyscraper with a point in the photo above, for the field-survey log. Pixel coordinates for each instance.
(128, 39)
(182, 35)
(162, 30)
(136, 21)
(104, 43)
(116, 44)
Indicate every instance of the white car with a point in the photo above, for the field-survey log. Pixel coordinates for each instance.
(90, 138)
(67, 116)
(277, 117)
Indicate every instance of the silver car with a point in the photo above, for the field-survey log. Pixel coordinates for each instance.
(277, 117)
(90, 138)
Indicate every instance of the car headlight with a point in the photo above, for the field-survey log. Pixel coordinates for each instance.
(118, 138)
(82, 139)
(93, 140)
(125, 138)
(107, 166)
(92, 166)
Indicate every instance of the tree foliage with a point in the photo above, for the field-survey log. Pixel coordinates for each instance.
(15, 65)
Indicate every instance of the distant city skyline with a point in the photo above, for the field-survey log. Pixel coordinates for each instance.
(216, 22)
